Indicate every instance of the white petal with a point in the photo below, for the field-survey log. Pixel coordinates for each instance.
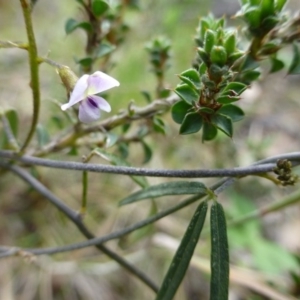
(79, 92)
(99, 82)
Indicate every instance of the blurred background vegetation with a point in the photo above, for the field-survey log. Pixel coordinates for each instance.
(264, 252)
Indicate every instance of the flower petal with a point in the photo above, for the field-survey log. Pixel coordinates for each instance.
(99, 82)
(101, 103)
(79, 92)
(89, 109)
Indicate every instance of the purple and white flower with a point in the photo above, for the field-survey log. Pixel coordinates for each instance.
(84, 91)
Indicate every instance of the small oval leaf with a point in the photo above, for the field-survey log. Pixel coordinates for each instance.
(191, 77)
(209, 132)
(72, 24)
(99, 7)
(232, 111)
(179, 110)
(186, 93)
(223, 123)
(192, 123)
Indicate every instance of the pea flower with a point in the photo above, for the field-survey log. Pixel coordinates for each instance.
(85, 89)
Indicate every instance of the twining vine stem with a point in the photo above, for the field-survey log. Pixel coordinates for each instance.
(263, 166)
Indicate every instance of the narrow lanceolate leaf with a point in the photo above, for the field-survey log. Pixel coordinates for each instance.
(165, 189)
(219, 254)
(183, 255)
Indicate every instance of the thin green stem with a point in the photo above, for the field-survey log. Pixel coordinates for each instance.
(34, 72)
(84, 192)
(278, 205)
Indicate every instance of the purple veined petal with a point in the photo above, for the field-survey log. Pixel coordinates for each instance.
(100, 82)
(79, 92)
(100, 102)
(89, 109)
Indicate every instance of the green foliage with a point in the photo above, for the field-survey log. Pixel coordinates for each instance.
(219, 254)
(164, 189)
(191, 123)
(72, 24)
(10, 120)
(99, 7)
(183, 255)
(227, 62)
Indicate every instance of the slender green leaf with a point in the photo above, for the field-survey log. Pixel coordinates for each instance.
(165, 189)
(219, 254)
(192, 123)
(183, 255)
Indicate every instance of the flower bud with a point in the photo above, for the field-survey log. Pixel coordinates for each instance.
(67, 77)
